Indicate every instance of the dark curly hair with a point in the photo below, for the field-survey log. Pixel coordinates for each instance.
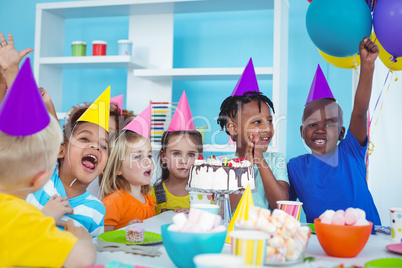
(232, 104)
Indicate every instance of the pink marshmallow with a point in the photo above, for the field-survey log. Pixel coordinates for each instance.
(351, 216)
(194, 215)
(362, 213)
(327, 216)
(339, 217)
(361, 222)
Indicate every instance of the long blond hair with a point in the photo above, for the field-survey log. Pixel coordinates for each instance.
(111, 182)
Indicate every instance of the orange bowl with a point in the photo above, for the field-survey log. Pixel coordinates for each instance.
(341, 240)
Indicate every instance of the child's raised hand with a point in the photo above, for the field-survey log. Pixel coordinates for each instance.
(56, 207)
(134, 221)
(9, 57)
(368, 51)
(254, 153)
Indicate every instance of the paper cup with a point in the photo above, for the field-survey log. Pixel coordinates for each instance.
(79, 48)
(396, 224)
(214, 209)
(293, 208)
(218, 261)
(99, 48)
(125, 47)
(251, 245)
(200, 198)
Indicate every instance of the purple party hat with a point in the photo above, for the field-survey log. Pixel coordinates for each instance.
(319, 88)
(247, 81)
(23, 112)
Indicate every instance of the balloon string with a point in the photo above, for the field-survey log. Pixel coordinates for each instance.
(382, 104)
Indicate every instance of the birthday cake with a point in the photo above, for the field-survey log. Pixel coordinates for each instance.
(213, 174)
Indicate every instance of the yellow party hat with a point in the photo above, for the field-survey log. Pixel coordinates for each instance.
(98, 112)
(242, 210)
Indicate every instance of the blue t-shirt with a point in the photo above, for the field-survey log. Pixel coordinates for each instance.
(89, 211)
(277, 163)
(333, 181)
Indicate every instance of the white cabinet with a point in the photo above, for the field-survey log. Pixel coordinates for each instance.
(151, 70)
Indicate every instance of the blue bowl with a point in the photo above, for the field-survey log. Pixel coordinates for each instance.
(183, 247)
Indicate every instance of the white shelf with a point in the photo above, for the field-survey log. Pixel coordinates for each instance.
(104, 8)
(199, 73)
(92, 62)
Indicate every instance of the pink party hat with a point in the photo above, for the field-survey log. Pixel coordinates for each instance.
(319, 88)
(182, 119)
(141, 124)
(118, 100)
(23, 112)
(247, 81)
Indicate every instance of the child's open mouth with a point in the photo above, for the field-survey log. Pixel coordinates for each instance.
(320, 141)
(89, 162)
(147, 173)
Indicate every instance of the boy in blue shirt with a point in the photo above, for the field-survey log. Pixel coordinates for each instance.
(246, 118)
(334, 176)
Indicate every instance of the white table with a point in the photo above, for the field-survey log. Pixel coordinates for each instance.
(374, 249)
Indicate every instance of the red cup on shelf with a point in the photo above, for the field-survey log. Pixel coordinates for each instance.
(99, 48)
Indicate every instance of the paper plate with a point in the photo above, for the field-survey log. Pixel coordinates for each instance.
(119, 236)
(397, 248)
(388, 262)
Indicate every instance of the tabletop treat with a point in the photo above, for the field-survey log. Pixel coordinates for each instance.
(351, 216)
(221, 175)
(135, 234)
(288, 239)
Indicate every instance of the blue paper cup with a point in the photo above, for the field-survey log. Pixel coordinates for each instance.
(125, 47)
(211, 208)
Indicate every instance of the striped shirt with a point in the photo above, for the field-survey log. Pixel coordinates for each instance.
(89, 212)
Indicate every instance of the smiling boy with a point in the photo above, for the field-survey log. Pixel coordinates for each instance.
(334, 176)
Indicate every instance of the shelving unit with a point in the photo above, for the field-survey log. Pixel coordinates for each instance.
(151, 26)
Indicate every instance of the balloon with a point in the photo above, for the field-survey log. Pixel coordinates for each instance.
(337, 27)
(385, 56)
(387, 20)
(342, 62)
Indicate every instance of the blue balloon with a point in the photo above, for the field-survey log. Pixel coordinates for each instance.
(337, 27)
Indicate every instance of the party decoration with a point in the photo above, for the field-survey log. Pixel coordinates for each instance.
(385, 57)
(247, 81)
(118, 100)
(342, 62)
(387, 20)
(242, 210)
(141, 124)
(337, 27)
(98, 112)
(182, 119)
(23, 112)
(319, 87)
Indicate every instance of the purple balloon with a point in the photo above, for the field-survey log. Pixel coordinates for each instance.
(387, 21)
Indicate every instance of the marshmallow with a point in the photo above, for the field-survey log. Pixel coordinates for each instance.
(339, 217)
(351, 216)
(361, 222)
(179, 220)
(327, 216)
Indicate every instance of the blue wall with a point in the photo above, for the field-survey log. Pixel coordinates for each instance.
(201, 40)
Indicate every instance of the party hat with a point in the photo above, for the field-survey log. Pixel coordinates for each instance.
(118, 100)
(23, 111)
(182, 119)
(242, 210)
(319, 88)
(141, 124)
(247, 81)
(98, 113)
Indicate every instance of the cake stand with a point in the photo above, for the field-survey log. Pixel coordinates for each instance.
(222, 200)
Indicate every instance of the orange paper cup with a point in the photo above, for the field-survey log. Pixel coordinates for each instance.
(293, 208)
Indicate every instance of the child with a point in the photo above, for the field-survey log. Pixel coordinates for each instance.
(82, 157)
(27, 157)
(125, 184)
(247, 119)
(180, 146)
(334, 176)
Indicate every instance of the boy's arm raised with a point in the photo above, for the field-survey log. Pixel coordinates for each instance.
(368, 51)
